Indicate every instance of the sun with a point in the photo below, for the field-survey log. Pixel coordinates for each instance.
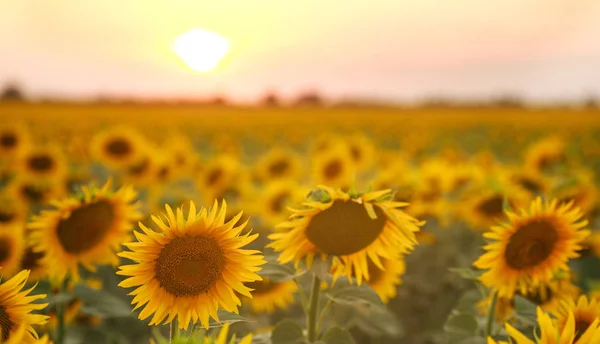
(201, 50)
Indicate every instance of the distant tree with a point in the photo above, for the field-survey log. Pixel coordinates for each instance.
(12, 92)
(591, 103)
(310, 98)
(270, 99)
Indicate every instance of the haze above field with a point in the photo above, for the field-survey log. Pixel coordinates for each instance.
(392, 50)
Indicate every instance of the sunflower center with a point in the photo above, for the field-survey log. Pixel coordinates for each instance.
(8, 140)
(278, 202)
(31, 260)
(263, 286)
(6, 217)
(580, 327)
(214, 176)
(344, 228)
(530, 185)
(5, 324)
(5, 250)
(86, 227)
(278, 168)
(189, 265)
(40, 163)
(32, 193)
(531, 244)
(163, 173)
(119, 147)
(356, 153)
(139, 168)
(333, 169)
(492, 207)
(536, 296)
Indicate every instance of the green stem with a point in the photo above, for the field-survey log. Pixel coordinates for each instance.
(174, 333)
(313, 307)
(323, 314)
(61, 309)
(303, 299)
(490, 316)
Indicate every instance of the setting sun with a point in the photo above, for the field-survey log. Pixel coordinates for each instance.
(201, 50)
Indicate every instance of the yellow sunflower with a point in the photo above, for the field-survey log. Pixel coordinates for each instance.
(385, 281)
(543, 153)
(44, 162)
(32, 261)
(218, 174)
(527, 250)
(16, 306)
(352, 229)
(274, 199)
(361, 149)
(14, 140)
(184, 156)
(12, 246)
(192, 267)
(142, 172)
(278, 163)
(118, 147)
(268, 295)
(334, 167)
(549, 333)
(486, 207)
(585, 311)
(533, 182)
(581, 189)
(84, 231)
(30, 190)
(12, 211)
(73, 315)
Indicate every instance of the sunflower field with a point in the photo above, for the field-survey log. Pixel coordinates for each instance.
(215, 224)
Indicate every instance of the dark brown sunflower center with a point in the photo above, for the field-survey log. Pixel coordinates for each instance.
(189, 265)
(491, 207)
(6, 216)
(32, 193)
(163, 172)
(531, 244)
(8, 140)
(214, 176)
(530, 185)
(581, 326)
(5, 249)
(344, 228)
(279, 168)
(119, 147)
(40, 163)
(5, 324)
(355, 153)
(140, 168)
(333, 169)
(278, 202)
(86, 227)
(538, 297)
(263, 286)
(31, 260)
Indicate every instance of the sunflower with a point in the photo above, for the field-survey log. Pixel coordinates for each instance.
(545, 153)
(333, 167)
(551, 334)
(486, 207)
(361, 149)
(533, 182)
(15, 310)
(12, 211)
(32, 261)
(46, 162)
(14, 140)
(278, 164)
(268, 295)
(274, 199)
(183, 155)
(84, 231)
(192, 267)
(585, 311)
(531, 247)
(73, 315)
(118, 147)
(142, 172)
(218, 174)
(579, 188)
(12, 245)
(353, 229)
(385, 281)
(30, 190)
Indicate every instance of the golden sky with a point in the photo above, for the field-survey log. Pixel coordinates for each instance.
(393, 49)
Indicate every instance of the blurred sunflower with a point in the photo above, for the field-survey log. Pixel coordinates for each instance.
(585, 312)
(580, 188)
(192, 267)
(218, 174)
(142, 172)
(527, 250)
(544, 153)
(73, 316)
(333, 167)
(486, 207)
(385, 281)
(535, 183)
(274, 199)
(16, 306)
(268, 295)
(43, 162)
(14, 140)
(351, 228)
(183, 155)
(84, 230)
(30, 190)
(118, 147)
(12, 211)
(362, 151)
(12, 245)
(32, 261)
(278, 163)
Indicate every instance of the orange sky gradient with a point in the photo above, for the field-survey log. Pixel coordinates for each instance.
(394, 49)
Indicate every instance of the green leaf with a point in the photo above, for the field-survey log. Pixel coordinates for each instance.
(360, 296)
(226, 317)
(468, 302)
(101, 303)
(287, 332)
(461, 326)
(526, 310)
(467, 273)
(379, 322)
(60, 298)
(338, 335)
(278, 272)
(472, 340)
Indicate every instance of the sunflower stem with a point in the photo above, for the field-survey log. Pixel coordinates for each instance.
(313, 307)
(490, 317)
(174, 333)
(61, 309)
(323, 314)
(303, 299)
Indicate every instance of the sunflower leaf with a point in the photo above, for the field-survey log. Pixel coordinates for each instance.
(101, 303)
(338, 335)
(278, 272)
(287, 332)
(526, 310)
(227, 317)
(362, 297)
(461, 326)
(467, 273)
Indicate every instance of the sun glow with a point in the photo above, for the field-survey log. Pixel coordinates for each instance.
(201, 50)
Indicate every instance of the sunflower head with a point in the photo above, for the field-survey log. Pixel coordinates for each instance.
(14, 140)
(526, 251)
(333, 167)
(44, 162)
(12, 245)
(585, 311)
(278, 164)
(118, 147)
(350, 228)
(194, 264)
(84, 230)
(545, 153)
(269, 295)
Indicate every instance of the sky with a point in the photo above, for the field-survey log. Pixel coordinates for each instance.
(393, 50)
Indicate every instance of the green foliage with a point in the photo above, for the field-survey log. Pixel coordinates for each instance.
(277, 272)
(461, 326)
(287, 332)
(337, 335)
